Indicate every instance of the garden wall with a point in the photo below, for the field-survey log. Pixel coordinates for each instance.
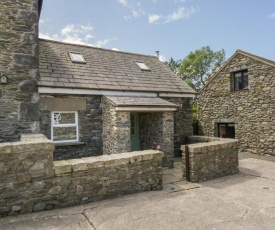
(210, 157)
(30, 181)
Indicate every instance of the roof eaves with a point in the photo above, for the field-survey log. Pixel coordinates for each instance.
(42, 83)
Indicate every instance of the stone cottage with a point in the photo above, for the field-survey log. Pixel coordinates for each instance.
(89, 101)
(239, 102)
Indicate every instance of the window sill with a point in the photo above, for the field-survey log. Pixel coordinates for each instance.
(69, 143)
(241, 90)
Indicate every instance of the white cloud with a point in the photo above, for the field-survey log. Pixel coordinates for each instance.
(135, 8)
(123, 2)
(180, 13)
(102, 42)
(76, 34)
(135, 14)
(43, 20)
(162, 58)
(115, 49)
(153, 18)
(272, 16)
(48, 36)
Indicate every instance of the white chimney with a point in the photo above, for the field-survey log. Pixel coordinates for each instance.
(157, 54)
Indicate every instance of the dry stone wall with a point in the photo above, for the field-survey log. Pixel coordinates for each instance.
(183, 120)
(210, 158)
(252, 110)
(30, 181)
(19, 63)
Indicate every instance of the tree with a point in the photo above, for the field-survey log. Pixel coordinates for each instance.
(197, 66)
(173, 65)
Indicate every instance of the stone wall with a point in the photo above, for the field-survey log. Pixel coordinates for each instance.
(210, 158)
(183, 120)
(103, 130)
(116, 135)
(19, 63)
(90, 124)
(157, 129)
(252, 110)
(30, 181)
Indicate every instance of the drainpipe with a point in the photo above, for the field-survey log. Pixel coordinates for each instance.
(187, 170)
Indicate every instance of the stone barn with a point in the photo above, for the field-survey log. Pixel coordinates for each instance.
(239, 102)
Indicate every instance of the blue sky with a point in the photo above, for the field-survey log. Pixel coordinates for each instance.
(174, 27)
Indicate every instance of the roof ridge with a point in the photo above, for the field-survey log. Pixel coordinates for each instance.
(238, 51)
(256, 56)
(93, 47)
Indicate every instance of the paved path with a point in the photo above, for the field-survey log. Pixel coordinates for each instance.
(242, 201)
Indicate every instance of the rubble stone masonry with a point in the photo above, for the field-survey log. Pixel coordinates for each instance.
(251, 110)
(19, 63)
(30, 181)
(210, 157)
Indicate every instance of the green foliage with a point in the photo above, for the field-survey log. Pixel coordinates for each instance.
(196, 68)
(173, 65)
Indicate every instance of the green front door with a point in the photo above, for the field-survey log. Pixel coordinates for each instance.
(134, 132)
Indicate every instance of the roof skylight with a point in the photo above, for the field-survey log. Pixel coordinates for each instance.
(142, 65)
(77, 57)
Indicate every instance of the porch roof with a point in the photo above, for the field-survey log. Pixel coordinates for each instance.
(140, 104)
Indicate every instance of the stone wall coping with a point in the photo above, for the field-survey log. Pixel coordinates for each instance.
(209, 142)
(75, 165)
(27, 142)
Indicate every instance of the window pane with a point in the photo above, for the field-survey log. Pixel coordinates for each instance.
(64, 118)
(245, 82)
(142, 66)
(77, 57)
(238, 83)
(64, 133)
(222, 130)
(239, 74)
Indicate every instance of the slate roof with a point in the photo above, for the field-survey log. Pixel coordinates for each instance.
(140, 101)
(104, 70)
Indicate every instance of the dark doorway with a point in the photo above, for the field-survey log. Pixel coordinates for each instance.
(226, 130)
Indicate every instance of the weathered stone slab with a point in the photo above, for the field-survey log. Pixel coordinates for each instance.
(62, 167)
(62, 104)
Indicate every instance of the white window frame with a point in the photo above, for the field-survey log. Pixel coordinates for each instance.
(83, 61)
(142, 66)
(53, 125)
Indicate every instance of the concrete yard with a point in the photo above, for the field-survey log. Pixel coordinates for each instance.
(242, 201)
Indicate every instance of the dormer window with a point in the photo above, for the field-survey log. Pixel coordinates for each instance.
(142, 66)
(77, 57)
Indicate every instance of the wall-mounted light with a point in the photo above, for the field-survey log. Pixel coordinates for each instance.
(3, 78)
